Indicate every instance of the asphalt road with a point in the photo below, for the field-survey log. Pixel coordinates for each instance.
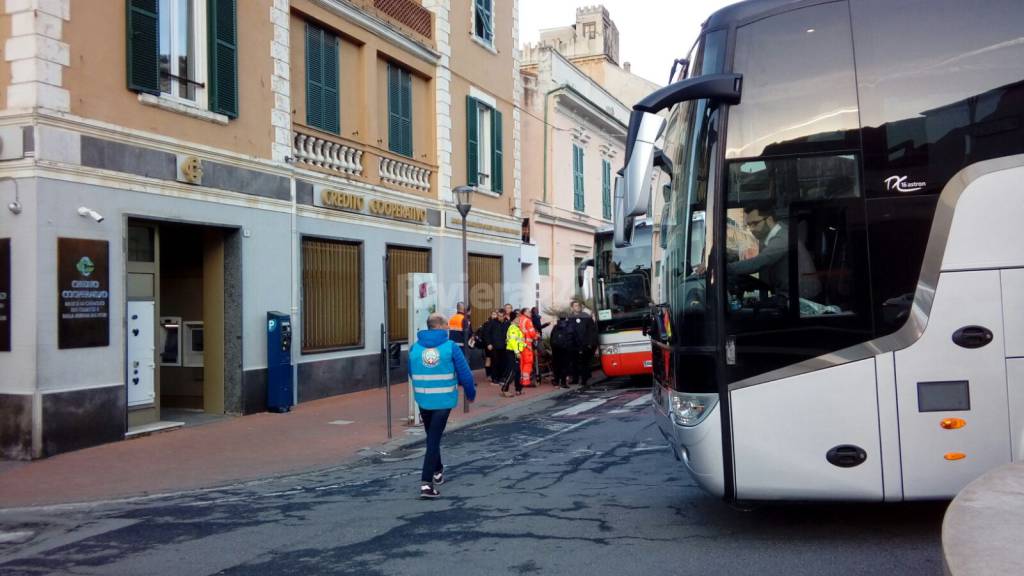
(579, 485)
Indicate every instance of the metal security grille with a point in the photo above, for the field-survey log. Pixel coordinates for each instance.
(332, 308)
(484, 286)
(401, 263)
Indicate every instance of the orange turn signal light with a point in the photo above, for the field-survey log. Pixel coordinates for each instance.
(953, 423)
(955, 456)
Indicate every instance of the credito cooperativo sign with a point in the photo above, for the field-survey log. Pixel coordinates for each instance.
(338, 200)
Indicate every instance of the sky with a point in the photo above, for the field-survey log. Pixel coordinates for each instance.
(652, 33)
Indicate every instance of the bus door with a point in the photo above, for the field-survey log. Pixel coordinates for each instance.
(951, 388)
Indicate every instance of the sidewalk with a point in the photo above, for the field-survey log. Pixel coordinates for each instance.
(984, 525)
(314, 435)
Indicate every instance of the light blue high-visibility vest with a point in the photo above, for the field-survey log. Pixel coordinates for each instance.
(432, 372)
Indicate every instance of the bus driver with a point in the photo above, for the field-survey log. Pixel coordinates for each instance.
(772, 261)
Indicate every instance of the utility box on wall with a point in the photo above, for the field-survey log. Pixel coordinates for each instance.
(280, 384)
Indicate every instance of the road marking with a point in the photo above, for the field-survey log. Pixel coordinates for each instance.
(649, 448)
(16, 537)
(581, 407)
(619, 411)
(641, 401)
(563, 431)
(342, 422)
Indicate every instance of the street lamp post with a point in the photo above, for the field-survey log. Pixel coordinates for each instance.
(464, 203)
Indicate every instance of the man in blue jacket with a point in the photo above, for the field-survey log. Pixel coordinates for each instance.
(436, 368)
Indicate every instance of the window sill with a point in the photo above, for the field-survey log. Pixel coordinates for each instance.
(182, 108)
(490, 193)
(489, 46)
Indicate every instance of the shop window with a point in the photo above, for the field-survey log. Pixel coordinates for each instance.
(332, 307)
(401, 262)
(485, 287)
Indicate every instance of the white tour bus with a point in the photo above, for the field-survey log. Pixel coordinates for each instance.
(842, 311)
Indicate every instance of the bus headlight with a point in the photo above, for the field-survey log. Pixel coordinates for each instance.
(609, 349)
(691, 409)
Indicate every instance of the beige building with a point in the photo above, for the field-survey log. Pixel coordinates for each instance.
(173, 170)
(592, 45)
(578, 101)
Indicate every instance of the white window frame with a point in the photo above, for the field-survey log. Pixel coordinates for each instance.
(488, 44)
(484, 146)
(199, 40)
(486, 105)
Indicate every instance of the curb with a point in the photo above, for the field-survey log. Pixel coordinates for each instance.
(344, 462)
(412, 441)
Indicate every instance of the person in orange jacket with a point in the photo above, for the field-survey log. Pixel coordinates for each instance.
(530, 335)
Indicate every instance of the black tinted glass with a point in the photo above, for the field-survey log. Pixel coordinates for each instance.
(941, 87)
(799, 88)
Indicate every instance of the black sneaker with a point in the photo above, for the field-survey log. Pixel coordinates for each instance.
(439, 478)
(429, 492)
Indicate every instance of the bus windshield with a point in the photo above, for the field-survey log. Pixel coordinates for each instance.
(623, 278)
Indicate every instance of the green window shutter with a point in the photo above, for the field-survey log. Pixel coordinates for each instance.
(394, 111)
(332, 113)
(406, 93)
(577, 171)
(143, 46)
(606, 189)
(223, 48)
(322, 109)
(472, 137)
(399, 111)
(498, 155)
(314, 76)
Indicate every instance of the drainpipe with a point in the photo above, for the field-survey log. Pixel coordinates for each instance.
(547, 128)
(296, 245)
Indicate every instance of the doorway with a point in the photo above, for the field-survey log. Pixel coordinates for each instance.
(177, 287)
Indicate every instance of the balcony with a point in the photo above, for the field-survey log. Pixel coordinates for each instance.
(404, 173)
(408, 17)
(330, 155)
(338, 156)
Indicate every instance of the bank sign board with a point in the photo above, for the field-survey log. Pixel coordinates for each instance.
(83, 293)
(5, 294)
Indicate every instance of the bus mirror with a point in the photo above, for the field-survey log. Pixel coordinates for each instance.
(645, 127)
(623, 225)
(640, 164)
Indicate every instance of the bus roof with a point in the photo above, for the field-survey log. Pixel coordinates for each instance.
(742, 12)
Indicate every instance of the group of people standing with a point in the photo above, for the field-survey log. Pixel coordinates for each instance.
(573, 343)
(510, 339)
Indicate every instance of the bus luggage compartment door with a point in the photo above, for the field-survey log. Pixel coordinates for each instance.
(784, 431)
(952, 397)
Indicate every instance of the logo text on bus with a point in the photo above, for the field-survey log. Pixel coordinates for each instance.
(900, 184)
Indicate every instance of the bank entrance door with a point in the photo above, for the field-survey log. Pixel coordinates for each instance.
(176, 322)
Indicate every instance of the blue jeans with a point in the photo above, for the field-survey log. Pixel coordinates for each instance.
(434, 422)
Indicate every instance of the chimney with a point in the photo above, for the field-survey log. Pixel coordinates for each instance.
(625, 66)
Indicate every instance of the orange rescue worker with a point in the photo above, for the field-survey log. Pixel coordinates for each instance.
(526, 356)
(456, 325)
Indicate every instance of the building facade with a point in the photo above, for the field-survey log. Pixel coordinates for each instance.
(173, 170)
(575, 142)
(579, 97)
